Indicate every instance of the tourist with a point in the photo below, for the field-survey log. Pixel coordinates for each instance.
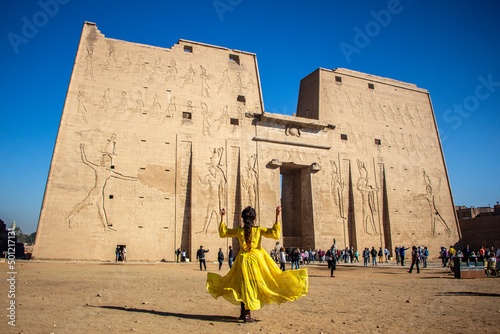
(200, 255)
(321, 255)
(415, 259)
(356, 256)
(177, 254)
(481, 253)
(332, 262)
(117, 253)
(296, 258)
(220, 258)
(374, 256)
(366, 257)
(425, 255)
(230, 256)
(402, 250)
(255, 279)
(273, 254)
(387, 254)
(380, 255)
(467, 251)
(282, 259)
(443, 255)
(183, 255)
(398, 256)
(124, 254)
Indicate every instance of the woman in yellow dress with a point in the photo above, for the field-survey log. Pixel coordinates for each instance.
(254, 279)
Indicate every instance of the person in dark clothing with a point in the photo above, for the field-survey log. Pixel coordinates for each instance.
(200, 255)
(374, 256)
(295, 258)
(332, 260)
(402, 254)
(415, 259)
(230, 256)
(220, 258)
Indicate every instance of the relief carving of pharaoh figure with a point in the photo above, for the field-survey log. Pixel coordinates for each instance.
(95, 197)
(430, 197)
(215, 181)
(337, 189)
(368, 194)
(250, 181)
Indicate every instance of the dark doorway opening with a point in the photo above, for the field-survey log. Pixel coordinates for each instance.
(296, 200)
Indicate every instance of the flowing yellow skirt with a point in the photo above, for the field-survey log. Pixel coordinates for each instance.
(256, 280)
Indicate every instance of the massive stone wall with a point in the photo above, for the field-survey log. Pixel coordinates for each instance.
(387, 159)
(153, 142)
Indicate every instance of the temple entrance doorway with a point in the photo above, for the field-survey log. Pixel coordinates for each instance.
(296, 200)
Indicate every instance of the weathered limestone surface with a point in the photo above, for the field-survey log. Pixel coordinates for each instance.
(153, 142)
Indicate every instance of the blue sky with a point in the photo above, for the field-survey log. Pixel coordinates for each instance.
(451, 48)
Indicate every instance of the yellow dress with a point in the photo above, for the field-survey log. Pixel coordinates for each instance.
(254, 278)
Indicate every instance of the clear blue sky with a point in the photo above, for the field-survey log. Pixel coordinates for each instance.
(451, 48)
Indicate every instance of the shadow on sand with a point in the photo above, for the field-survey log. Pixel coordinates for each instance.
(466, 293)
(217, 318)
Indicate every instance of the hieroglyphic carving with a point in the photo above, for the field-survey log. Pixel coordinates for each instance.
(360, 108)
(89, 63)
(139, 105)
(430, 197)
(155, 108)
(224, 117)
(206, 116)
(224, 82)
(82, 106)
(382, 112)
(189, 106)
(238, 84)
(337, 102)
(110, 63)
(407, 114)
(171, 108)
(102, 106)
(140, 66)
(348, 102)
(216, 182)
(172, 71)
(122, 107)
(250, 181)
(367, 199)
(204, 82)
(371, 111)
(102, 173)
(188, 77)
(109, 145)
(155, 72)
(337, 189)
(126, 64)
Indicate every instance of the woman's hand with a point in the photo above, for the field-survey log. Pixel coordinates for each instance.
(278, 210)
(222, 212)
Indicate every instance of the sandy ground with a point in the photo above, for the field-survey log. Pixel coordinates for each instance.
(67, 297)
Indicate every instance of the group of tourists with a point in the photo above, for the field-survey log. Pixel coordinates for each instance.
(180, 254)
(121, 254)
(483, 254)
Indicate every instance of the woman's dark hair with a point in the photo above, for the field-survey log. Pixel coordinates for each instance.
(248, 216)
